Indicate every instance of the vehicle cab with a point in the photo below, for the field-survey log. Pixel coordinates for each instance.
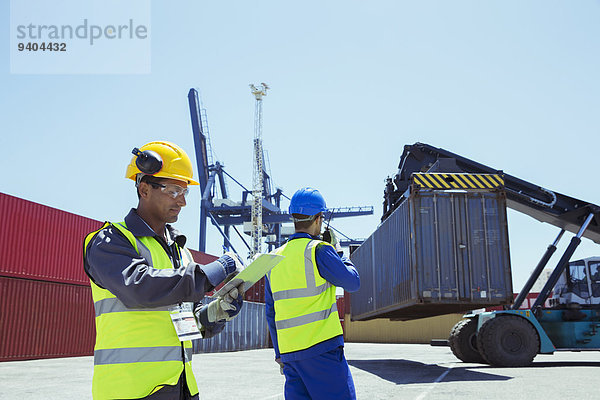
(579, 284)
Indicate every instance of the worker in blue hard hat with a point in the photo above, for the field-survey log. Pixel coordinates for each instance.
(147, 290)
(301, 309)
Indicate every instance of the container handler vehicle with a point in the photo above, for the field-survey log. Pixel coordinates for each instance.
(566, 314)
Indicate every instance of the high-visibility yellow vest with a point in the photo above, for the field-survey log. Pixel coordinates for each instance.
(305, 307)
(137, 351)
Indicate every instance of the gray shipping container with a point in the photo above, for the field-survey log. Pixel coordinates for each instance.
(439, 252)
(247, 331)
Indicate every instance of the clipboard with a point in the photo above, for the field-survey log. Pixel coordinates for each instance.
(252, 273)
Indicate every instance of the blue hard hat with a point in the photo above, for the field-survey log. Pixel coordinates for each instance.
(307, 201)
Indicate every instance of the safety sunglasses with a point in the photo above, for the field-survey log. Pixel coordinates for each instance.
(171, 189)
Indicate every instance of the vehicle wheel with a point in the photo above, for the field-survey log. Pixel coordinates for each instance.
(463, 341)
(508, 341)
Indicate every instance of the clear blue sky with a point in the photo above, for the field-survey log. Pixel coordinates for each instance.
(511, 84)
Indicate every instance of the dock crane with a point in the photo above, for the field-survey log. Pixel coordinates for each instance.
(224, 213)
(257, 170)
(514, 336)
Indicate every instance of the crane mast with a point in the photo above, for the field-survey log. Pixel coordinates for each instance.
(257, 174)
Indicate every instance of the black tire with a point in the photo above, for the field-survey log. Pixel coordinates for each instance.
(508, 341)
(463, 341)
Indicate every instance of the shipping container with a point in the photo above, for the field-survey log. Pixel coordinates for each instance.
(340, 303)
(256, 293)
(247, 331)
(48, 319)
(46, 308)
(32, 232)
(41, 242)
(45, 320)
(439, 252)
(202, 258)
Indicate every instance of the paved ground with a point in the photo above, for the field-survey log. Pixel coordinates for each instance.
(381, 371)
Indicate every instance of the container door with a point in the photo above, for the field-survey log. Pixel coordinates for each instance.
(425, 254)
(477, 249)
(498, 253)
(446, 245)
(462, 248)
(487, 247)
(437, 257)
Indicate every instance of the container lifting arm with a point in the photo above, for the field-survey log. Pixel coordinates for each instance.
(535, 201)
(537, 272)
(562, 263)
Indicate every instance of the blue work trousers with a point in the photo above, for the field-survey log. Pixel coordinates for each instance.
(326, 376)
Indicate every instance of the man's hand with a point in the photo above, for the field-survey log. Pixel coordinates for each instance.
(333, 239)
(278, 361)
(227, 307)
(233, 301)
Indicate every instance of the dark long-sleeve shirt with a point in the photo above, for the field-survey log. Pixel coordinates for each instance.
(114, 264)
(340, 272)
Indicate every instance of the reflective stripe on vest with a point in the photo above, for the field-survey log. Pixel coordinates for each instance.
(306, 318)
(141, 354)
(305, 304)
(112, 305)
(137, 349)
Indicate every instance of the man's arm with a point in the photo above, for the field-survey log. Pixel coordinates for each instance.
(114, 264)
(270, 314)
(339, 271)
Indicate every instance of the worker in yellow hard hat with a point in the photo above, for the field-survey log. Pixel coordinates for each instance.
(147, 288)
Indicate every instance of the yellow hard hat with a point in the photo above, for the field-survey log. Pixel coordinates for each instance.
(169, 159)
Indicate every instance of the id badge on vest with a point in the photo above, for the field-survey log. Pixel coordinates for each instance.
(184, 321)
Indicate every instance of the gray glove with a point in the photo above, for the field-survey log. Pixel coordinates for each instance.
(227, 307)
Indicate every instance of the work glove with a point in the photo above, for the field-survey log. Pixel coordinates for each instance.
(227, 307)
(231, 262)
(278, 361)
(330, 236)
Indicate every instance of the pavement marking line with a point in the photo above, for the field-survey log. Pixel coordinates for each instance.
(430, 388)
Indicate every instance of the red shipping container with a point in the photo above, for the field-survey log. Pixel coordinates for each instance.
(527, 302)
(41, 242)
(45, 320)
(44, 243)
(46, 307)
(202, 258)
(340, 301)
(256, 293)
(346, 309)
